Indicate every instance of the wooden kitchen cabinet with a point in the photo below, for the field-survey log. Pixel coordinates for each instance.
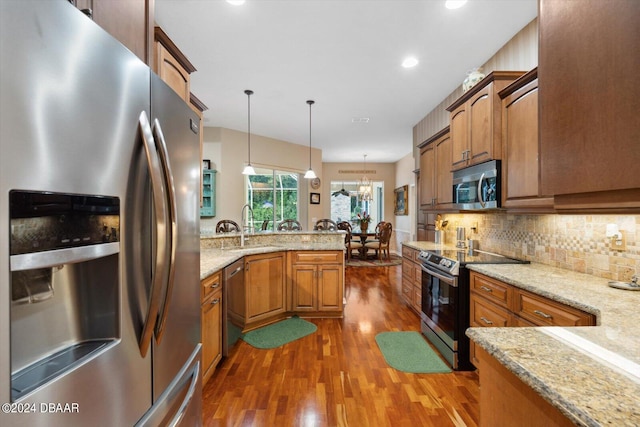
(265, 288)
(494, 303)
(412, 278)
(476, 122)
(172, 65)
(507, 401)
(520, 156)
(211, 300)
(436, 178)
(126, 20)
(542, 311)
(427, 176)
(589, 101)
(317, 282)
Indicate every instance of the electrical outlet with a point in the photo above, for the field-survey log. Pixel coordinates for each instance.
(619, 244)
(306, 238)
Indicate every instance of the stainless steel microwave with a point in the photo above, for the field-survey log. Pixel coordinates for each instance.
(477, 187)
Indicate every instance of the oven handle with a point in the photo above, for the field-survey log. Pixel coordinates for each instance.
(450, 280)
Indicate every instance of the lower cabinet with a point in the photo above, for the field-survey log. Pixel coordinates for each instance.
(264, 280)
(494, 303)
(507, 401)
(211, 299)
(412, 279)
(317, 282)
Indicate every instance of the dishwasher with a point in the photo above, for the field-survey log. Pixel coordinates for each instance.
(234, 305)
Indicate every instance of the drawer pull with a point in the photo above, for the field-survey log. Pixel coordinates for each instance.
(484, 288)
(485, 320)
(543, 314)
(215, 301)
(214, 285)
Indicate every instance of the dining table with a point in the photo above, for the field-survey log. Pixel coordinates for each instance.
(363, 235)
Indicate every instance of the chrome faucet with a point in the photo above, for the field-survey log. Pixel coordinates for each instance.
(243, 224)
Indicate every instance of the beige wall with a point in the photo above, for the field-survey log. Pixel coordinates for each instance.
(405, 228)
(227, 150)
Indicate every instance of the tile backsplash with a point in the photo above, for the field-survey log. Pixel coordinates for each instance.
(573, 242)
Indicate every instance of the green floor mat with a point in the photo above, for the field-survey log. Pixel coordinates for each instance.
(409, 352)
(279, 333)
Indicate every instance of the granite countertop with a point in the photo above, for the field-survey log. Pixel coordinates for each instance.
(218, 251)
(590, 373)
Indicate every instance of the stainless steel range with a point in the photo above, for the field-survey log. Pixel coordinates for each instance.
(445, 300)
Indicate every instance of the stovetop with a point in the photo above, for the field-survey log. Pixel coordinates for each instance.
(450, 261)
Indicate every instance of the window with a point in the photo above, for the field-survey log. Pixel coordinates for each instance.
(347, 207)
(273, 195)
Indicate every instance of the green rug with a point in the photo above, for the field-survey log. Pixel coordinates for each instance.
(280, 333)
(409, 352)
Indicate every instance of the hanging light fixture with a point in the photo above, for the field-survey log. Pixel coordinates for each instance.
(310, 173)
(364, 186)
(249, 170)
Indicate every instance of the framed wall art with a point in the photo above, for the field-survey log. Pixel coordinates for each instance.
(400, 205)
(314, 198)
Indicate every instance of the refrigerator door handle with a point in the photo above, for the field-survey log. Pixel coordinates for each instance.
(157, 189)
(189, 396)
(173, 223)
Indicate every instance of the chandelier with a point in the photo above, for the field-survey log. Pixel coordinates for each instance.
(364, 185)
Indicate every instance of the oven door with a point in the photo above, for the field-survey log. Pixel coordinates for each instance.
(440, 312)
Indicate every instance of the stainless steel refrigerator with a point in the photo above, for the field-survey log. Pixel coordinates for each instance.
(99, 229)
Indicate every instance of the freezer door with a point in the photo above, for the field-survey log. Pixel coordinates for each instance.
(177, 331)
(180, 404)
(71, 98)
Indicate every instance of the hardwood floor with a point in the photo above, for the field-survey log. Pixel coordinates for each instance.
(338, 376)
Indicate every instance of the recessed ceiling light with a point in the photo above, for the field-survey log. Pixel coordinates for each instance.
(454, 4)
(410, 62)
(360, 120)
(236, 2)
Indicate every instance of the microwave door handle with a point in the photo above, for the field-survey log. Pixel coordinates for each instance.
(482, 202)
(157, 190)
(172, 244)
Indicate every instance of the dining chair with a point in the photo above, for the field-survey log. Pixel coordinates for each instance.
(326, 225)
(378, 229)
(227, 226)
(349, 244)
(289, 225)
(382, 244)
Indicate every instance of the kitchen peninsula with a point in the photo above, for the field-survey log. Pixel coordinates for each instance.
(277, 275)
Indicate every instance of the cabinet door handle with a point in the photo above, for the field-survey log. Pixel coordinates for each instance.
(484, 288)
(543, 314)
(215, 285)
(215, 301)
(486, 321)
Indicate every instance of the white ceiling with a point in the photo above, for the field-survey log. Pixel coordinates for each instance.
(345, 55)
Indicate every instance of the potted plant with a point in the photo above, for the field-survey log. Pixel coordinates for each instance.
(364, 219)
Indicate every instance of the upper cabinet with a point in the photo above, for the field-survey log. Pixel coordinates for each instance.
(475, 121)
(589, 101)
(436, 179)
(171, 65)
(520, 151)
(126, 20)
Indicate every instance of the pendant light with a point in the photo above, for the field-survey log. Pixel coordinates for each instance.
(310, 173)
(364, 186)
(248, 170)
